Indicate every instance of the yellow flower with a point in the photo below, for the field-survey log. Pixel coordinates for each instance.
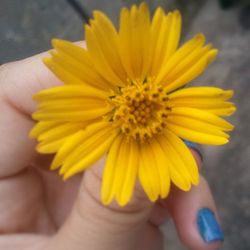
(123, 96)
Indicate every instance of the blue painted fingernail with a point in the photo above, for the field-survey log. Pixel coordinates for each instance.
(194, 146)
(208, 226)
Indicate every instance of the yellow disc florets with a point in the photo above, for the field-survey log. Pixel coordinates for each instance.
(141, 109)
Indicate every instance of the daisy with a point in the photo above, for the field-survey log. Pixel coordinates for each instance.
(123, 97)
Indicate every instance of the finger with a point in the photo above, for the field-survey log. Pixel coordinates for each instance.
(159, 213)
(23, 78)
(196, 217)
(18, 82)
(194, 213)
(150, 239)
(93, 225)
(23, 242)
(22, 207)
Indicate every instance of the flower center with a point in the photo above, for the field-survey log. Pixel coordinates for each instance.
(141, 110)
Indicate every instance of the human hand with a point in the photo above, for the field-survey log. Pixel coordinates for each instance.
(40, 211)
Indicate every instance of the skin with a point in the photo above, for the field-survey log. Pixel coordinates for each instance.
(39, 211)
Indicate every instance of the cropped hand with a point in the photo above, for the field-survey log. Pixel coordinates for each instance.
(39, 211)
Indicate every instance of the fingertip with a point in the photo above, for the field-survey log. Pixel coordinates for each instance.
(196, 217)
(208, 226)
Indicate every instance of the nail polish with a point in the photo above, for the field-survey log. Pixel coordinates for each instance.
(208, 226)
(194, 146)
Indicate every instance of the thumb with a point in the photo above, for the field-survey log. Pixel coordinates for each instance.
(93, 225)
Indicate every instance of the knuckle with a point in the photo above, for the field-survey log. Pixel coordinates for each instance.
(89, 205)
(4, 69)
(5, 72)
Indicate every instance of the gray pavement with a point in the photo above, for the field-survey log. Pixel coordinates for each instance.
(26, 28)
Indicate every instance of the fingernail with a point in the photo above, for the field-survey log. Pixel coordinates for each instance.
(195, 147)
(208, 226)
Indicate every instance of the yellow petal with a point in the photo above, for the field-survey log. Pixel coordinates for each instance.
(93, 156)
(81, 57)
(202, 115)
(211, 99)
(222, 111)
(84, 148)
(131, 171)
(78, 103)
(52, 134)
(126, 171)
(123, 171)
(200, 103)
(144, 35)
(181, 53)
(179, 173)
(56, 104)
(41, 127)
(60, 131)
(50, 146)
(196, 125)
(71, 115)
(162, 164)
(184, 154)
(124, 42)
(102, 65)
(148, 172)
(140, 21)
(76, 140)
(78, 72)
(69, 64)
(202, 92)
(133, 40)
(160, 42)
(70, 91)
(74, 51)
(192, 72)
(110, 168)
(165, 30)
(184, 65)
(156, 37)
(195, 136)
(61, 73)
(108, 42)
(173, 35)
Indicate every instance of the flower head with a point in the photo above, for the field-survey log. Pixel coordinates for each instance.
(123, 97)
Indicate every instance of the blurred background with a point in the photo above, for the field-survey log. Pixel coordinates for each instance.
(26, 28)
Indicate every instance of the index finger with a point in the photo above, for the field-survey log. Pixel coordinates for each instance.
(18, 82)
